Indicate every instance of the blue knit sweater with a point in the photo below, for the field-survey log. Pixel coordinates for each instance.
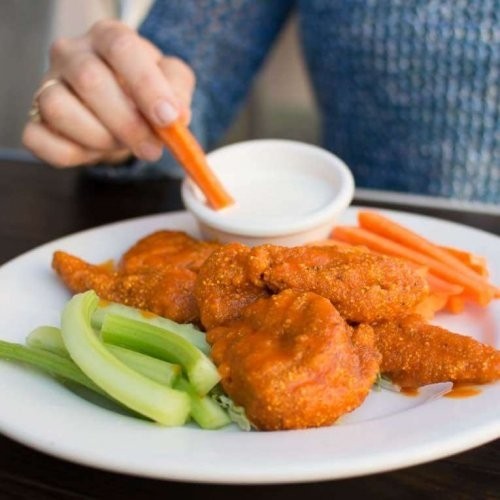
(408, 89)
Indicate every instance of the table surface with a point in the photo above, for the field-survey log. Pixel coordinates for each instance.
(39, 204)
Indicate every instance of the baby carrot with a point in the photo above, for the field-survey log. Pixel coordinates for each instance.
(187, 151)
(455, 304)
(475, 262)
(439, 285)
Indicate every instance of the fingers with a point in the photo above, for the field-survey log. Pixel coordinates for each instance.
(136, 62)
(64, 113)
(54, 149)
(115, 88)
(97, 87)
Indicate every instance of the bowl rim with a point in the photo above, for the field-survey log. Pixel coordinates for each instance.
(212, 218)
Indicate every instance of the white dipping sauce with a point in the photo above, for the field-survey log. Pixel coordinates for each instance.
(275, 197)
(279, 188)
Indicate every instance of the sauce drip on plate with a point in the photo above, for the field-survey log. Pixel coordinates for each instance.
(462, 391)
(409, 391)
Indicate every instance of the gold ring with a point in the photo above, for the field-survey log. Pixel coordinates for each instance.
(34, 112)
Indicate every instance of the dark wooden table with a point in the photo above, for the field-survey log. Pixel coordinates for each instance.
(38, 204)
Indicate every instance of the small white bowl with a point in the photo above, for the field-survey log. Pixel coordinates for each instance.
(287, 193)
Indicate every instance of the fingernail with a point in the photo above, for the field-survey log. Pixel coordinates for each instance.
(165, 113)
(149, 151)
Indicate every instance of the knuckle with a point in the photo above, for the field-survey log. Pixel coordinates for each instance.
(173, 60)
(52, 105)
(149, 48)
(181, 67)
(188, 77)
(59, 48)
(102, 26)
(120, 44)
(88, 74)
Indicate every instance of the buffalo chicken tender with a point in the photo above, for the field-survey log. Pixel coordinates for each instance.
(292, 362)
(167, 292)
(166, 248)
(415, 353)
(226, 285)
(364, 287)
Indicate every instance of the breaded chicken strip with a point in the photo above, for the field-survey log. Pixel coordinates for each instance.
(166, 248)
(167, 292)
(292, 362)
(225, 285)
(364, 287)
(415, 353)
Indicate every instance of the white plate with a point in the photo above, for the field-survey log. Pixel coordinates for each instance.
(387, 432)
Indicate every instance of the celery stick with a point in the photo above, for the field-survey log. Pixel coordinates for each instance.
(188, 331)
(153, 368)
(49, 339)
(204, 410)
(162, 404)
(159, 343)
(49, 362)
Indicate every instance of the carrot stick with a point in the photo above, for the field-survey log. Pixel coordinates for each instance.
(439, 285)
(475, 262)
(187, 151)
(455, 304)
(383, 226)
(477, 287)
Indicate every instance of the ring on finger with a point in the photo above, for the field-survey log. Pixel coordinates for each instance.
(34, 112)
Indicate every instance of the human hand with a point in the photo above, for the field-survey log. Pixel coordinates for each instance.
(102, 94)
